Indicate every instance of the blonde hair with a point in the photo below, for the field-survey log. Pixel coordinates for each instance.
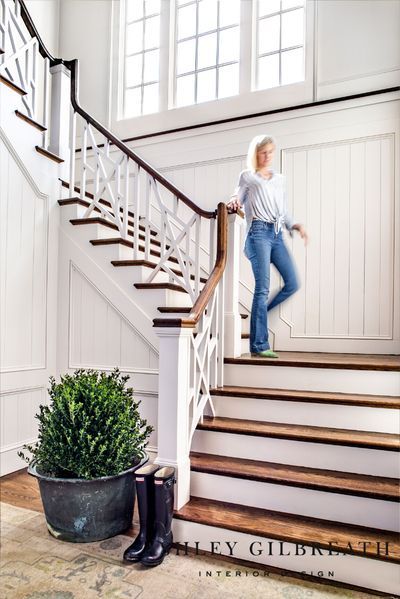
(258, 142)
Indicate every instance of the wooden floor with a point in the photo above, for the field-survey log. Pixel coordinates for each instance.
(22, 490)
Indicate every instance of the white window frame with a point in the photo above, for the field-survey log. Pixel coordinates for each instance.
(246, 102)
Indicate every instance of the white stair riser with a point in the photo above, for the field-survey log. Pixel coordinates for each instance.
(313, 414)
(84, 233)
(350, 569)
(296, 500)
(139, 274)
(70, 211)
(298, 453)
(107, 253)
(313, 379)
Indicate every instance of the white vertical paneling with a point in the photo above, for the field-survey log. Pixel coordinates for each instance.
(87, 322)
(100, 337)
(372, 237)
(75, 316)
(14, 338)
(26, 264)
(327, 234)
(299, 183)
(39, 275)
(287, 166)
(357, 239)
(387, 236)
(113, 336)
(100, 314)
(342, 240)
(312, 285)
(348, 205)
(4, 181)
(24, 222)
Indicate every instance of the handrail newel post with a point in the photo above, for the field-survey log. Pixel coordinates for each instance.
(59, 138)
(232, 327)
(174, 405)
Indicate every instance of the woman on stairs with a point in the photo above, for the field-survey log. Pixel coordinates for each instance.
(262, 193)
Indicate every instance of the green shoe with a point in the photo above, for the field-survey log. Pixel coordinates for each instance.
(267, 353)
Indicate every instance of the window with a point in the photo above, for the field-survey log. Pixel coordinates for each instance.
(181, 53)
(280, 42)
(142, 57)
(207, 50)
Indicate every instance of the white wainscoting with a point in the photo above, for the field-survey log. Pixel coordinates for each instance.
(100, 336)
(23, 271)
(344, 192)
(18, 424)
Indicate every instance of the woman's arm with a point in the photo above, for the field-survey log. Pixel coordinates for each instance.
(239, 196)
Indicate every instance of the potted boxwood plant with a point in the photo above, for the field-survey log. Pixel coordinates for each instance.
(91, 439)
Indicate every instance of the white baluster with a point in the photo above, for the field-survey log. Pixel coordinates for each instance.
(72, 154)
(84, 161)
(125, 206)
(46, 101)
(148, 217)
(197, 240)
(136, 208)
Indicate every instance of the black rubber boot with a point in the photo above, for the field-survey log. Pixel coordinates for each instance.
(145, 500)
(161, 542)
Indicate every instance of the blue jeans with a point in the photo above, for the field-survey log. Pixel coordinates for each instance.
(264, 246)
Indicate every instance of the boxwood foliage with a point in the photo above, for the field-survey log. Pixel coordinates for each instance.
(91, 428)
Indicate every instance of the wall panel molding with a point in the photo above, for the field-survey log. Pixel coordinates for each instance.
(100, 336)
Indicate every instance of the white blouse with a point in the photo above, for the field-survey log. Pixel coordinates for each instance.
(264, 199)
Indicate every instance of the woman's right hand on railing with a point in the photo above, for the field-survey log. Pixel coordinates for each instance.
(234, 205)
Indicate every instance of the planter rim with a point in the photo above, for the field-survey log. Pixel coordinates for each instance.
(34, 471)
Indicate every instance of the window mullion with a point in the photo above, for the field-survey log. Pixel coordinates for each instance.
(246, 61)
(165, 56)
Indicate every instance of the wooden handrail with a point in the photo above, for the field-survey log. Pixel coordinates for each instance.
(73, 67)
(212, 282)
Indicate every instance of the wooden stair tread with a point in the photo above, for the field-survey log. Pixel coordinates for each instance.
(79, 201)
(129, 244)
(170, 286)
(347, 483)
(88, 194)
(121, 263)
(300, 432)
(12, 85)
(27, 119)
(374, 401)
(106, 223)
(49, 154)
(173, 310)
(293, 528)
(324, 360)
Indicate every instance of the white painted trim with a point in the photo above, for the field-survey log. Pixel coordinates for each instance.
(18, 444)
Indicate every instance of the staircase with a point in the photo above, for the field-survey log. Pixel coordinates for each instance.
(290, 465)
